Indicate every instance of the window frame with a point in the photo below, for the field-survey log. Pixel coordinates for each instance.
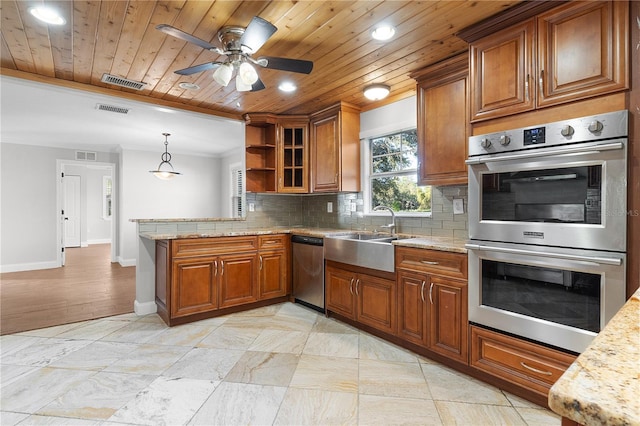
(366, 167)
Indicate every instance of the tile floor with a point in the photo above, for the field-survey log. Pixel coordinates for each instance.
(280, 365)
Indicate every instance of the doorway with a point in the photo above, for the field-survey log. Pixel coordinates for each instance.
(86, 212)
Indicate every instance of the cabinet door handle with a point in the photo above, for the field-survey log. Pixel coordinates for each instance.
(535, 370)
(351, 286)
(261, 262)
(215, 268)
(422, 291)
(431, 293)
(429, 262)
(541, 83)
(526, 88)
(357, 284)
(221, 267)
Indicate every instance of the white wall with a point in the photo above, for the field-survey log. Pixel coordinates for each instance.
(29, 220)
(235, 157)
(194, 194)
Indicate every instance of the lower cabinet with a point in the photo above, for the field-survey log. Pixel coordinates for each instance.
(195, 277)
(366, 296)
(432, 306)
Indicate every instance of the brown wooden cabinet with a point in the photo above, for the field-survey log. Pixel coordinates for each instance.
(335, 149)
(362, 296)
(432, 300)
(198, 277)
(574, 51)
(260, 152)
(443, 122)
(517, 361)
(293, 155)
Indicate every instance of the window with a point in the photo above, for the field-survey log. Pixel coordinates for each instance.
(237, 191)
(393, 173)
(107, 190)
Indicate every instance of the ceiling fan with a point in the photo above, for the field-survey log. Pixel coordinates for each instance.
(238, 44)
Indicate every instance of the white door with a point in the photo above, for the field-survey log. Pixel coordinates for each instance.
(71, 207)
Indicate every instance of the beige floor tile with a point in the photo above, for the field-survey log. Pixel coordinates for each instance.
(449, 385)
(516, 401)
(231, 337)
(99, 397)
(392, 379)
(264, 368)
(265, 311)
(57, 421)
(280, 341)
(52, 331)
(458, 413)
(148, 359)
(374, 348)
(332, 344)
(43, 352)
(136, 332)
(204, 364)
(539, 417)
(330, 325)
(184, 335)
(240, 404)
(326, 373)
(11, 373)
(11, 419)
(384, 410)
(318, 407)
(95, 356)
(93, 330)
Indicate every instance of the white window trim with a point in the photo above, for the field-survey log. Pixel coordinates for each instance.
(104, 197)
(365, 168)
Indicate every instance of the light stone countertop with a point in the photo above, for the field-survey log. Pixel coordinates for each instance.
(602, 386)
(416, 241)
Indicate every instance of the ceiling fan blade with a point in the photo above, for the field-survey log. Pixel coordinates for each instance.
(174, 32)
(198, 68)
(257, 33)
(286, 64)
(258, 85)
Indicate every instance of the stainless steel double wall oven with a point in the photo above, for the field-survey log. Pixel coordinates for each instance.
(547, 228)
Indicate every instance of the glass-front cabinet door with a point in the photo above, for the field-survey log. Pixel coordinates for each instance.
(293, 164)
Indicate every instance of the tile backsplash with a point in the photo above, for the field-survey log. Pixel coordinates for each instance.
(277, 210)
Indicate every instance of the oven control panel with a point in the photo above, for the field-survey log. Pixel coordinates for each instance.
(584, 129)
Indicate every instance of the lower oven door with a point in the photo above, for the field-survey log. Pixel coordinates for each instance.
(560, 297)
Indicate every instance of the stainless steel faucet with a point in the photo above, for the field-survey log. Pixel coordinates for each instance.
(392, 225)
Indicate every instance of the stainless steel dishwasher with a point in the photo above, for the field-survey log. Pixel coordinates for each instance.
(308, 271)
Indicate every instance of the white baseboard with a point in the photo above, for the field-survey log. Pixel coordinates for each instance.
(29, 266)
(126, 262)
(144, 308)
(99, 241)
(84, 244)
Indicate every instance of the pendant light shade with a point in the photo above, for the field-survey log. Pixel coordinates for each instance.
(165, 169)
(222, 75)
(247, 73)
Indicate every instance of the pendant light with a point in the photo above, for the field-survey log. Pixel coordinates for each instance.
(165, 174)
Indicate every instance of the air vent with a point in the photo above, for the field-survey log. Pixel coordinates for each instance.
(122, 82)
(86, 155)
(112, 108)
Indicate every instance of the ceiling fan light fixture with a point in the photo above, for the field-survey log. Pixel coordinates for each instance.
(247, 73)
(241, 86)
(165, 169)
(222, 75)
(47, 15)
(375, 92)
(383, 32)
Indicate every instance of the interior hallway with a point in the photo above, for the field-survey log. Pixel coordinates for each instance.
(89, 286)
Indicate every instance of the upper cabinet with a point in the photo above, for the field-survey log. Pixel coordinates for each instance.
(335, 149)
(443, 122)
(293, 156)
(574, 51)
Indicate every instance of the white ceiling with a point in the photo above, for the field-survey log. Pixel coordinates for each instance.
(34, 113)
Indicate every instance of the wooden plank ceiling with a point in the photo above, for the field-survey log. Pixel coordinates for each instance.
(119, 38)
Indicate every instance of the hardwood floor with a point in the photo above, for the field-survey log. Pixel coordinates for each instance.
(89, 286)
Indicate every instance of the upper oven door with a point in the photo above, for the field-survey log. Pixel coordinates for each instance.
(568, 196)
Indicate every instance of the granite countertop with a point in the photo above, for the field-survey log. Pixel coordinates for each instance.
(602, 386)
(416, 241)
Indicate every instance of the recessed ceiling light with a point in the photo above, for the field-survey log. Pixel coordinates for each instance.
(47, 15)
(383, 32)
(188, 86)
(287, 86)
(375, 92)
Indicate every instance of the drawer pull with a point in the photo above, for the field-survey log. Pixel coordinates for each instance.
(422, 291)
(431, 293)
(429, 262)
(215, 268)
(351, 286)
(357, 284)
(535, 370)
(261, 262)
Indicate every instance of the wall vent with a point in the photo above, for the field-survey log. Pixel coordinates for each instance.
(122, 82)
(112, 108)
(86, 155)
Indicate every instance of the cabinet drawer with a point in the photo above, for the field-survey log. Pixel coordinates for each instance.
(432, 261)
(517, 361)
(207, 246)
(268, 242)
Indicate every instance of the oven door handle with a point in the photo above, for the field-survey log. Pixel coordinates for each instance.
(593, 259)
(564, 151)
